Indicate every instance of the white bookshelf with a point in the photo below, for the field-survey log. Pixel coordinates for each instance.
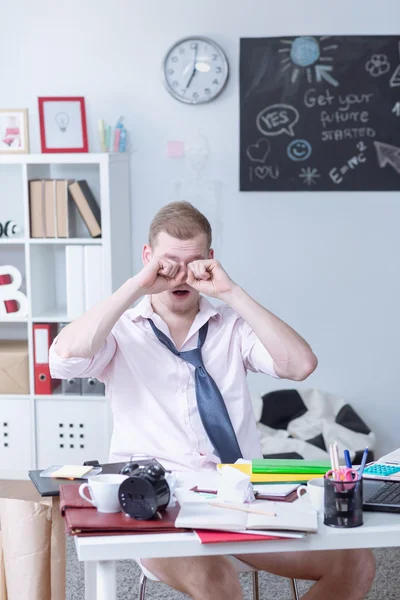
(39, 430)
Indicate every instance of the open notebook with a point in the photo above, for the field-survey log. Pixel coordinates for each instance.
(287, 517)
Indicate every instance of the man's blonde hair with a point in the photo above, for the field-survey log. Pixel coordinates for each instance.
(180, 220)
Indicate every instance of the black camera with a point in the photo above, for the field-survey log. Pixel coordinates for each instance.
(146, 491)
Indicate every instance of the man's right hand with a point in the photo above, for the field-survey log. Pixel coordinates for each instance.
(159, 275)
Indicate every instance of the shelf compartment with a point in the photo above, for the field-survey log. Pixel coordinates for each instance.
(15, 433)
(48, 285)
(70, 432)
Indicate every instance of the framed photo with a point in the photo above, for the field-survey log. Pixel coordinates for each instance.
(14, 134)
(63, 124)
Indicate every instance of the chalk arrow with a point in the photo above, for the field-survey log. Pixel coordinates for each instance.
(388, 155)
(323, 72)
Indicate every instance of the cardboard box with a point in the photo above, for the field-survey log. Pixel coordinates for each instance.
(14, 367)
(32, 561)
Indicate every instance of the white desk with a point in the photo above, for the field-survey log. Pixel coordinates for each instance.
(101, 553)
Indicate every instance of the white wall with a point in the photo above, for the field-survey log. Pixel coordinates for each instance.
(326, 263)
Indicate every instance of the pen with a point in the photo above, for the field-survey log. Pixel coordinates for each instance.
(243, 509)
(363, 462)
(347, 459)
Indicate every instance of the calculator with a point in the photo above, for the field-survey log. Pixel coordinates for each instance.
(382, 471)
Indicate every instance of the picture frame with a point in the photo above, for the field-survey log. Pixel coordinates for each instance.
(14, 132)
(63, 124)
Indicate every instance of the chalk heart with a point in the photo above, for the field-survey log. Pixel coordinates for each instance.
(259, 151)
(261, 172)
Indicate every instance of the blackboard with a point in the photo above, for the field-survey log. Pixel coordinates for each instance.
(320, 113)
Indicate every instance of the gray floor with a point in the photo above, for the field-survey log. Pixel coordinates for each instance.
(386, 585)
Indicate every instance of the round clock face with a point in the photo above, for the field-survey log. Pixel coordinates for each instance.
(195, 70)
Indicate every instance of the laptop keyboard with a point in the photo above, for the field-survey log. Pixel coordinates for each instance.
(388, 493)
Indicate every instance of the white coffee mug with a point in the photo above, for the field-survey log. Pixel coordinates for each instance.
(315, 490)
(104, 492)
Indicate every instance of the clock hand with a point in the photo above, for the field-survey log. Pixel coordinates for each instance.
(194, 68)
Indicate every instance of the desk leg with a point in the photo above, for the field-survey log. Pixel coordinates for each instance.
(106, 580)
(90, 580)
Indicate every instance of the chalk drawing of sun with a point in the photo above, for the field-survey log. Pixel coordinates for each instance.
(309, 55)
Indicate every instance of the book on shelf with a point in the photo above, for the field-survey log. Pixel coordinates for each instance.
(65, 213)
(36, 208)
(53, 204)
(50, 208)
(87, 206)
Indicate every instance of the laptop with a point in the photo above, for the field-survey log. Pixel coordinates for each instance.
(381, 496)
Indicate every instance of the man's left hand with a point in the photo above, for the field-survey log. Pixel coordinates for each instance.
(209, 278)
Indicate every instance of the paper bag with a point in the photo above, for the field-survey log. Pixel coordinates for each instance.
(33, 542)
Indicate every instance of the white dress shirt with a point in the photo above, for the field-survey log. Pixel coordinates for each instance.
(152, 391)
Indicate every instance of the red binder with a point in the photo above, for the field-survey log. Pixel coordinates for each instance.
(11, 305)
(43, 336)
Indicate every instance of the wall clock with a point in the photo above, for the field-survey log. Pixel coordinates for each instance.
(195, 70)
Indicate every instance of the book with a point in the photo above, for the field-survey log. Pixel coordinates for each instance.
(36, 208)
(50, 208)
(65, 214)
(261, 514)
(87, 206)
(277, 465)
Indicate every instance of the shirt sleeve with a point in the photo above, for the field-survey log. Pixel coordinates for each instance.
(66, 368)
(256, 357)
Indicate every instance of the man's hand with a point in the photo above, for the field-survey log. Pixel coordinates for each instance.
(208, 277)
(160, 275)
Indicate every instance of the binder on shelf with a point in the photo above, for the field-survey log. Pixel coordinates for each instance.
(36, 208)
(50, 208)
(65, 214)
(93, 258)
(87, 206)
(92, 386)
(43, 335)
(71, 386)
(75, 280)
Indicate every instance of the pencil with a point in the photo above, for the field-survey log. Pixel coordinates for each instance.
(243, 509)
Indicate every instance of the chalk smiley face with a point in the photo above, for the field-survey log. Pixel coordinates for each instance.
(299, 150)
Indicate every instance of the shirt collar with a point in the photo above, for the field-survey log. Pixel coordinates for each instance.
(145, 310)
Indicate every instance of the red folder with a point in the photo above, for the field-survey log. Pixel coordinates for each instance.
(225, 537)
(43, 336)
(11, 305)
(82, 519)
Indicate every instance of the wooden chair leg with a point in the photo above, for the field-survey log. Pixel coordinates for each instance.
(295, 591)
(256, 589)
(142, 587)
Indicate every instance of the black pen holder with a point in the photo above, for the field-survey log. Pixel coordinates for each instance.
(343, 503)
